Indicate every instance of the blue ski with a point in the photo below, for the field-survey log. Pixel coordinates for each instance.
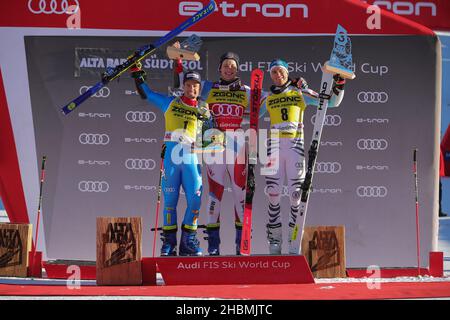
(113, 73)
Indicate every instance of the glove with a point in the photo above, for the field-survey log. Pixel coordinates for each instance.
(300, 83)
(203, 113)
(139, 76)
(339, 83)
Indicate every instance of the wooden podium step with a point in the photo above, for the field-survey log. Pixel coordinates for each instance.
(218, 270)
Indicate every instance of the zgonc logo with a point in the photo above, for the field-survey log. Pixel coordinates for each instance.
(239, 10)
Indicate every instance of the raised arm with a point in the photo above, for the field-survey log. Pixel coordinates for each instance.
(312, 97)
(159, 100)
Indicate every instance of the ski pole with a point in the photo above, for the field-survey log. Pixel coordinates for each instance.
(39, 206)
(417, 209)
(158, 202)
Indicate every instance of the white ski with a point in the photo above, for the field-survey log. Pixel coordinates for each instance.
(340, 63)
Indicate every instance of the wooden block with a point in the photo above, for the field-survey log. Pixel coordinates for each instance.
(119, 251)
(344, 73)
(324, 249)
(15, 244)
(174, 53)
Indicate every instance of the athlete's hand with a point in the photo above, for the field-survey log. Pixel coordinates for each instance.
(300, 83)
(176, 44)
(338, 79)
(139, 77)
(138, 73)
(339, 83)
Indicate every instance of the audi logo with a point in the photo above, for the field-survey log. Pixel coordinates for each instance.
(218, 110)
(373, 97)
(328, 167)
(93, 186)
(140, 164)
(372, 144)
(372, 191)
(94, 138)
(51, 7)
(102, 93)
(330, 120)
(284, 192)
(140, 116)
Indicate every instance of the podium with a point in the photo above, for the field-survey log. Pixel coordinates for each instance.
(219, 270)
(119, 251)
(15, 245)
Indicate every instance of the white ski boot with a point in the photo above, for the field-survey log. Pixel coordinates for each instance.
(274, 237)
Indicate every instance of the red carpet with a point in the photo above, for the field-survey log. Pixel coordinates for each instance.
(333, 291)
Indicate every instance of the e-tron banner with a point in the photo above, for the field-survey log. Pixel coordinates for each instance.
(256, 16)
(435, 14)
(104, 157)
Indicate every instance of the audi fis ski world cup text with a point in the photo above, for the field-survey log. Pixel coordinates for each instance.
(233, 264)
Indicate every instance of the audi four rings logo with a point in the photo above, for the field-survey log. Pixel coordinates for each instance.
(328, 167)
(218, 110)
(51, 7)
(140, 164)
(372, 191)
(93, 186)
(94, 138)
(284, 191)
(140, 116)
(330, 120)
(102, 93)
(372, 144)
(373, 97)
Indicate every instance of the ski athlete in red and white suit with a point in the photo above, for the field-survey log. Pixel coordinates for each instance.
(228, 100)
(285, 104)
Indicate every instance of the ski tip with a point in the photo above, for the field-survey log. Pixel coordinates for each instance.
(68, 108)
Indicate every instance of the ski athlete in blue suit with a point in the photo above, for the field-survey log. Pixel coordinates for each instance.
(184, 118)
